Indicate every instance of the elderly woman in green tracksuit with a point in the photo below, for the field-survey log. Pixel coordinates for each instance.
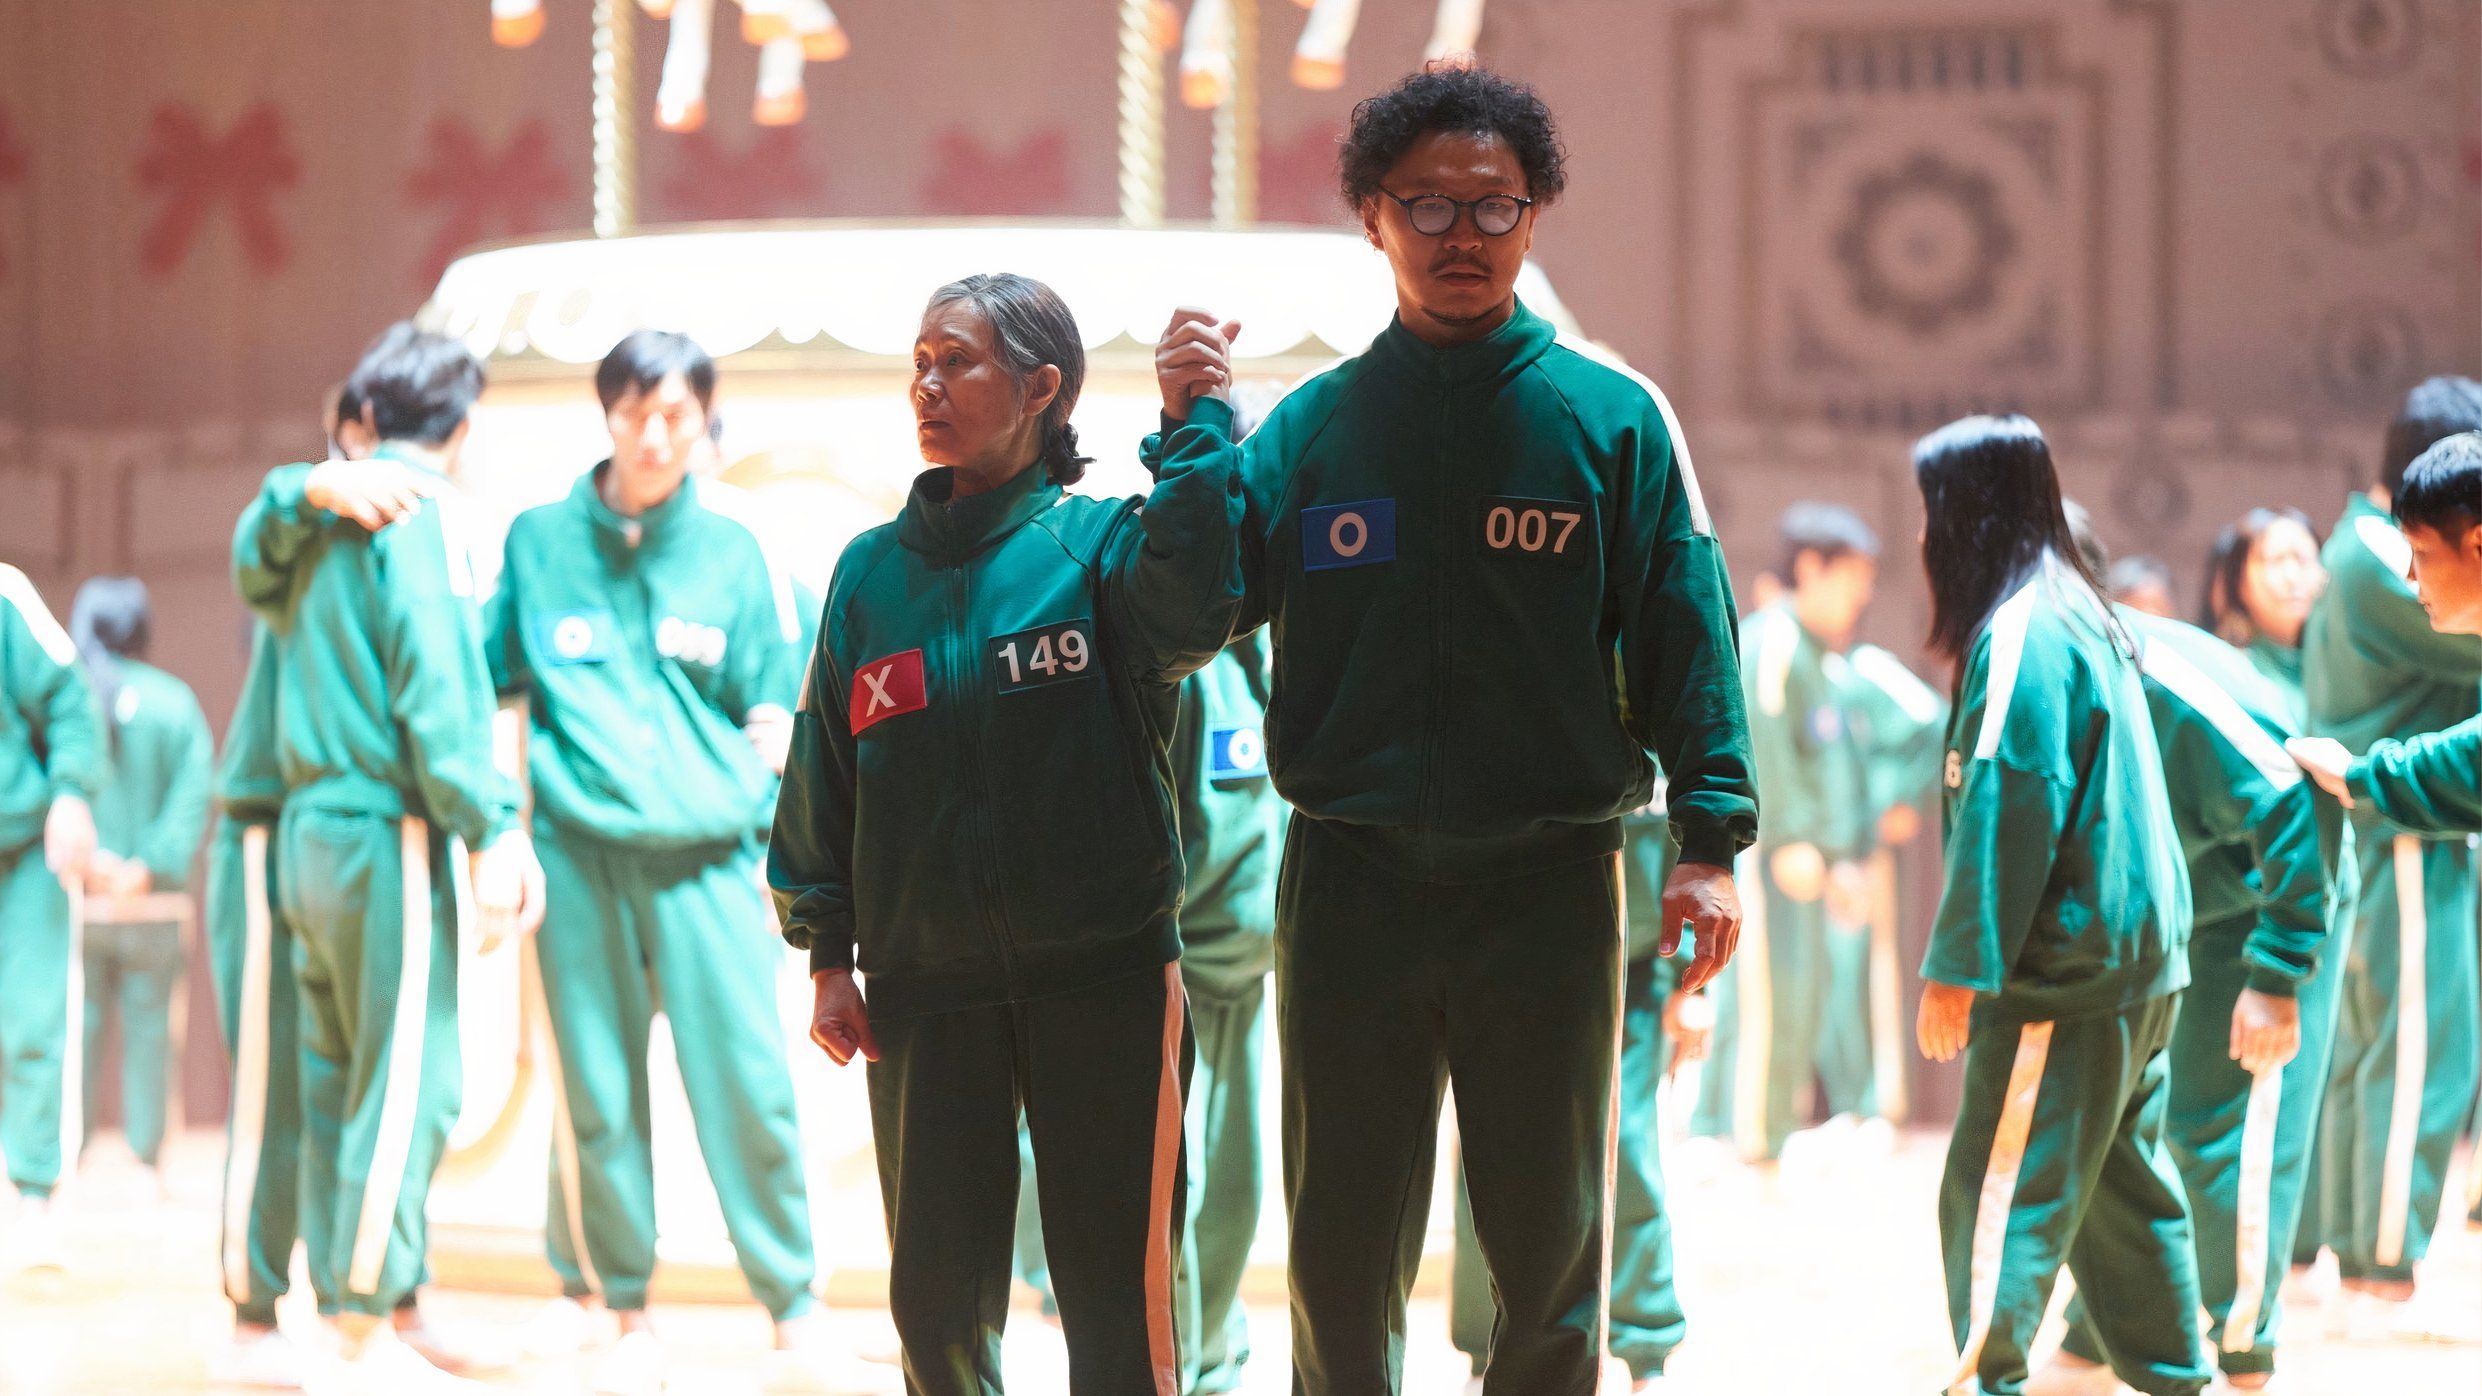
(978, 816)
(149, 816)
(2061, 939)
(2249, 1057)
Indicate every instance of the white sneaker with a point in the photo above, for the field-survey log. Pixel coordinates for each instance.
(34, 1239)
(268, 1361)
(457, 1352)
(634, 1366)
(1875, 1137)
(2424, 1318)
(808, 1359)
(2065, 1376)
(387, 1367)
(566, 1327)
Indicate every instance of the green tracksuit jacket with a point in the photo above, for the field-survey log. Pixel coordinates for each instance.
(50, 745)
(2280, 666)
(152, 808)
(383, 737)
(2260, 841)
(645, 644)
(978, 806)
(2430, 784)
(2066, 909)
(2374, 669)
(1517, 517)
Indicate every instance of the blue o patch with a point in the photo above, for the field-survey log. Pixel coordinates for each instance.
(573, 637)
(1826, 724)
(1348, 535)
(1236, 753)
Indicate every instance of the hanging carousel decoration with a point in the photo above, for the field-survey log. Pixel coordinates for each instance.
(789, 35)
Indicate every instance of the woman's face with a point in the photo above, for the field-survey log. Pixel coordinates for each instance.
(2281, 581)
(968, 411)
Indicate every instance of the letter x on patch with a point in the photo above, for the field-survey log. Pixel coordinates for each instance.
(886, 688)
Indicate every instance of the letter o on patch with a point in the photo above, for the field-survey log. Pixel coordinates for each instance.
(1348, 524)
(572, 636)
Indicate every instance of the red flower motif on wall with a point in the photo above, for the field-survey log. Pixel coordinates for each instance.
(1297, 177)
(196, 173)
(479, 191)
(12, 167)
(770, 177)
(969, 177)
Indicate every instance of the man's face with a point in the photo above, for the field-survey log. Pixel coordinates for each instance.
(2447, 571)
(656, 436)
(1463, 280)
(1833, 593)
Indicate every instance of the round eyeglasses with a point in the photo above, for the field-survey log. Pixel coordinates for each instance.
(1495, 215)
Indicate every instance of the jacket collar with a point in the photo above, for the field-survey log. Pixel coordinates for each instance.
(1494, 358)
(953, 530)
(649, 528)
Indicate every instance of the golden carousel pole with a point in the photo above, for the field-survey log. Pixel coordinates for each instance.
(616, 118)
(1236, 125)
(1141, 114)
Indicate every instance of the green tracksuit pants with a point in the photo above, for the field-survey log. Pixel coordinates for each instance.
(1847, 1071)
(250, 949)
(2242, 1144)
(1227, 1180)
(2402, 1079)
(1097, 1075)
(1386, 989)
(1646, 1320)
(373, 905)
(2059, 1158)
(35, 1020)
(631, 930)
(132, 972)
(1769, 1002)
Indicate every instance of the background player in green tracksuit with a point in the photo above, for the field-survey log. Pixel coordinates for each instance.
(1231, 826)
(1771, 1005)
(654, 648)
(978, 815)
(2431, 784)
(2249, 1055)
(384, 740)
(149, 816)
(1658, 1027)
(2061, 939)
(51, 764)
(1495, 598)
(1898, 723)
(2262, 578)
(2375, 668)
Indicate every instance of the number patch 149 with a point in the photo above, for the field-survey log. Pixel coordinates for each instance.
(1046, 654)
(1551, 529)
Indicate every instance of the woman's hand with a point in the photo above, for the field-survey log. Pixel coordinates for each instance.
(1945, 1020)
(839, 1020)
(2323, 759)
(1194, 360)
(2266, 1031)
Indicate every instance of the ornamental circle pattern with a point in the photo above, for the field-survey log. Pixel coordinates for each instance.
(2370, 188)
(2370, 38)
(1924, 244)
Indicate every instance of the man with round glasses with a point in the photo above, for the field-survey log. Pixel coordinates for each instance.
(1496, 600)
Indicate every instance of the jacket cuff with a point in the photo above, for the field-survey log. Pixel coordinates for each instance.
(831, 950)
(2357, 782)
(2272, 983)
(1703, 841)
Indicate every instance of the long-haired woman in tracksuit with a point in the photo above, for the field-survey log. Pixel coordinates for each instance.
(2061, 938)
(978, 817)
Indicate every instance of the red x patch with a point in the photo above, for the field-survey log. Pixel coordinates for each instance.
(886, 688)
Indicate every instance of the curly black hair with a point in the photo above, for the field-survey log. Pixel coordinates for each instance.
(1452, 97)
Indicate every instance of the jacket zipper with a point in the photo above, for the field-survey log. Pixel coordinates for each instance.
(1441, 663)
(995, 916)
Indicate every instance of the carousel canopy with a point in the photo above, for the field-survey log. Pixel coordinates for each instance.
(855, 290)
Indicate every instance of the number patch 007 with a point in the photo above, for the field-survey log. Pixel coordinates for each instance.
(1046, 654)
(1553, 530)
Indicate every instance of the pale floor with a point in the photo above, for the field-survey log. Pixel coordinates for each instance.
(1824, 1278)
